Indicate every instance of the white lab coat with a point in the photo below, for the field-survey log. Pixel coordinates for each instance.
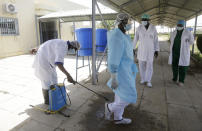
(148, 42)
(187, 39)
(48, 54)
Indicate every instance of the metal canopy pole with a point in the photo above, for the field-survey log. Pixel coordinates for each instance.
(134, 27)
(93, 44)
(194, 32)
(74, 26)
(37, 30)
(105, 51)
(106, 26)
(59, 28)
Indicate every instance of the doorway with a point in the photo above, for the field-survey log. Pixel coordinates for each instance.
(48, 31)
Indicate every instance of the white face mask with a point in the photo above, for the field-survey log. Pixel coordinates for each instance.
(144, 23)
(179, 28)
(71, 51)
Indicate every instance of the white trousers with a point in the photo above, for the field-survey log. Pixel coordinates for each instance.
(146, 70)
(46, 84)
(117, 107)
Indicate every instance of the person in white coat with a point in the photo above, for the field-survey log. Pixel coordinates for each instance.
(179, 57)
(49, 56)
(148, 48)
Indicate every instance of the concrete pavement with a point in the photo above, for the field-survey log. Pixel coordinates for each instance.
(164, 107)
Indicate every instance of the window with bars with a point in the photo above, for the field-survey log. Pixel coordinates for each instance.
(9, 26)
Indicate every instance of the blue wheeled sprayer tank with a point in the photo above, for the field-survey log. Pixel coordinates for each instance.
(84, 37)
(101, 39)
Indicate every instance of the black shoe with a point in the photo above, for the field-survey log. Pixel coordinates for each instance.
(46, 96)
(174, 80)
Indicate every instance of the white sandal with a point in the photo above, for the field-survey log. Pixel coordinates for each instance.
(123, 121)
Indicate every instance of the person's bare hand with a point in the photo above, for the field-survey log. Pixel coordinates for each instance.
(71, 80)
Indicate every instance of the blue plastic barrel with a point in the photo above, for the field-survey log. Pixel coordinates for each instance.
(190, 29)
(101, 39)
(84, 37)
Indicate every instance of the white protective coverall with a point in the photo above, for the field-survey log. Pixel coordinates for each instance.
(187, 39)
(146, 48)
(48, 55)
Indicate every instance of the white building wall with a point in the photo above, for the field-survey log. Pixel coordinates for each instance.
(28, 26)
(67, 29)
(22, 43)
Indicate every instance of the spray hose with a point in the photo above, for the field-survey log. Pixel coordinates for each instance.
(100, 95)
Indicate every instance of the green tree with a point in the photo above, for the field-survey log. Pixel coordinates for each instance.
(110, 24)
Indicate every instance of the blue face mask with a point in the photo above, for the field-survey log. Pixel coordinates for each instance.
(128, 27)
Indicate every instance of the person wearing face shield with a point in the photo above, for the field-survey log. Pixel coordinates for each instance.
(179, 57)
(148, 47)
(122, 69)
(49, 56)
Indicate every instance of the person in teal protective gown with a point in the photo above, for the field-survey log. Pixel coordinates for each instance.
(122, 69)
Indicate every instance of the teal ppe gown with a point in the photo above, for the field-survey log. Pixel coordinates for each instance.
(121, 61)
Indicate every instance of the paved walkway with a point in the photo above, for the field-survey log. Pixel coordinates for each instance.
(165, 107)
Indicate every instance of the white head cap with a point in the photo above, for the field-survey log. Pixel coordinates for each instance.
(121, 17)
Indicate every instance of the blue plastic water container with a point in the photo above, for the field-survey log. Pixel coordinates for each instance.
(101, 39)
(57, 98)
(84, 37)
(190, 29)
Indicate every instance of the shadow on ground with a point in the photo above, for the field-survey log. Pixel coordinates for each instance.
(88, 114)
(141, 120)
